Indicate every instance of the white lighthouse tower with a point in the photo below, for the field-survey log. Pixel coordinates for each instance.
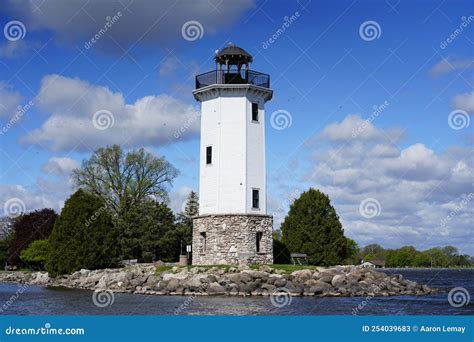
(233, 225)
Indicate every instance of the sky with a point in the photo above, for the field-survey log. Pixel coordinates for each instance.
(372, 102)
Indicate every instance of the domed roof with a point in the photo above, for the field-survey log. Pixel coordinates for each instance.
(233, 54)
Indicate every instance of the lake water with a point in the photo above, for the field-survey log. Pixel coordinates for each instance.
(37, 300)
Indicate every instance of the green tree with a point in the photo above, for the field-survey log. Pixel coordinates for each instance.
(83, 236)
(313, 227)
(4, 249)
(142, 230)
(36, 254)
(352, 251)
(125, 179)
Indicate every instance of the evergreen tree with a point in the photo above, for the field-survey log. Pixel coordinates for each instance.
(141, 230)
(312, 227)
(83, 236)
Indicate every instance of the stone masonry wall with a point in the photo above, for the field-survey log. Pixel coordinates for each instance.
(232, 239)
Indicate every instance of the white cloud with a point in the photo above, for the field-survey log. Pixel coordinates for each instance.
(60, 166)
(12, 49)
(178, 198)
(416, 186)
(353, 127)
(464, 102)
(9, 100)
(151, 120)
(146, 21)
(448, 65)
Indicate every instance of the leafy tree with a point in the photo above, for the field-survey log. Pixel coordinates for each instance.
(36, 254)
(352, 250)
(422, 259)
(27, 228)
(83, 236)
(312, 227)
(141, 230)
(124, 180)
(4, 249)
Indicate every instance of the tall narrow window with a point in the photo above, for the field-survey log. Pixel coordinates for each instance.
(209, 155)
(255, 112)
(259, 239)
(255, 199)
(203, 243)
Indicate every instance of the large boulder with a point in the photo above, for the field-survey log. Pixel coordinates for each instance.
(215, 289)
(338, 280)
(301, 276)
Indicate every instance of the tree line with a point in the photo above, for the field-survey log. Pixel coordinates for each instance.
(120, 211)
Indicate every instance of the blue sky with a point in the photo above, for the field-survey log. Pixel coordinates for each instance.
(411, 159)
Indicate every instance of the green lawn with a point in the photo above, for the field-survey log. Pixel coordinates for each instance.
(286, 268)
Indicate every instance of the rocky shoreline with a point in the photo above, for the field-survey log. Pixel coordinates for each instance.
(233, 281)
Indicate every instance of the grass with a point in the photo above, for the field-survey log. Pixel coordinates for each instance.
(286, 268)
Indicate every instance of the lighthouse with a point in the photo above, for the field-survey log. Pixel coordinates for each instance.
(233, 226)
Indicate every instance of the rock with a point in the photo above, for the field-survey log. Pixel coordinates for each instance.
(245, 277)
(39, 278)
(301, 276)
(338, 280)
(215, 289)
(234, 277)
(325, 277)
(180, 276)
(173, 284)
(266, 268)
(249, 287)
(268, 287)
(280, 282)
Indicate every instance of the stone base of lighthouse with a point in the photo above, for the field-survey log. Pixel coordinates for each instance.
(232, 239)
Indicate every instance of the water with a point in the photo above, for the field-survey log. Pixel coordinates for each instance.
(37, 300)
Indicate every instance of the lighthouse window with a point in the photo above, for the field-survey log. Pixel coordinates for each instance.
(203, 242)
(259, 239)
(209, 155)
(255, 112)
(255, 199)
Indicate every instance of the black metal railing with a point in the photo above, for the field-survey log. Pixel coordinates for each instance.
(233, 77)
